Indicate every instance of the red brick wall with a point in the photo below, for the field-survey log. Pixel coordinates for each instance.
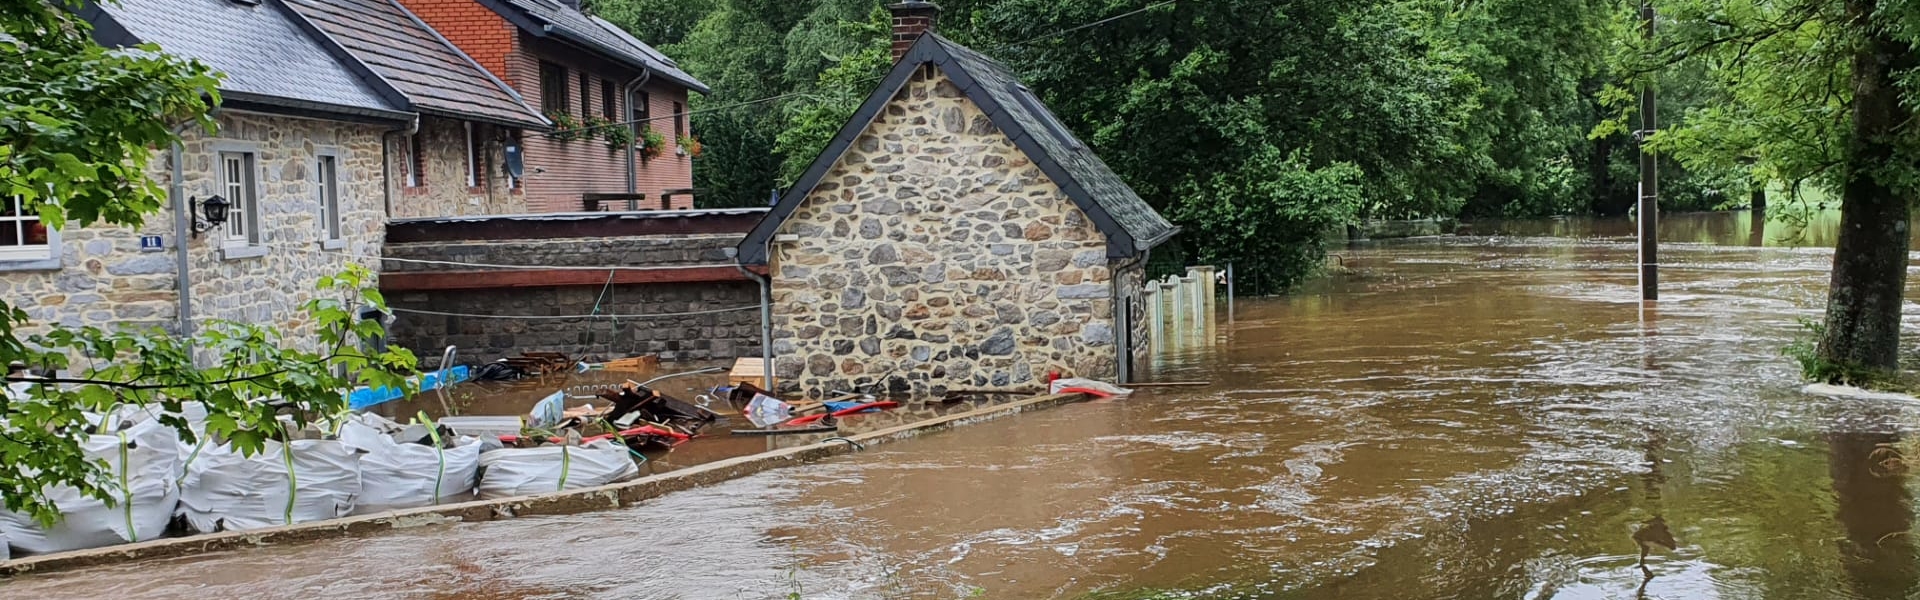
(475, 29)
(559, 173)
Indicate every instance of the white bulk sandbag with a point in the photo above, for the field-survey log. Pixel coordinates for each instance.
(225, 491)
(395, 475)
(510, 472)
(141, 463)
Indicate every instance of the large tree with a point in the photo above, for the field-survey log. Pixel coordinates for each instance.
(1820, 92)
(78, 125)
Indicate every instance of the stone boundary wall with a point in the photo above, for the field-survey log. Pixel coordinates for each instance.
(675, 292)
(720, 335)
(606, 497)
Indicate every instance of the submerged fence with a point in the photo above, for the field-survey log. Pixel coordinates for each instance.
(1181, 310)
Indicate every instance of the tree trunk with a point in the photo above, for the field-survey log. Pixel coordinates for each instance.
(1870, 260)
(1757, 201)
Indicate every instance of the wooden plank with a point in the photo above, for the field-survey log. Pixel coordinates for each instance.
(512, 278)
(752, 370)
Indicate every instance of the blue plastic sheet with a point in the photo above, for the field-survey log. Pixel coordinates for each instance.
(363, 397)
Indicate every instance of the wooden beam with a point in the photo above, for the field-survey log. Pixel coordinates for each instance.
(525, 278)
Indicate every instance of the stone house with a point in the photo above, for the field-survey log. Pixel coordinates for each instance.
(297, 154)
(567, 62)
(953, 235)
(453, 161)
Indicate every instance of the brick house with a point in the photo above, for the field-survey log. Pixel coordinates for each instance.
(297, 154)
(953, 234)
(564, 61)
(451, 164)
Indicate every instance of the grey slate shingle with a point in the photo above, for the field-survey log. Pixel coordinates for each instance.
(1100, 183)
(433, 74)
(263, 53)
(607, 38)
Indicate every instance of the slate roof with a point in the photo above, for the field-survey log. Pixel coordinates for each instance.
(1132, 226)
(595, 33)
(270, 60)
(417, 61)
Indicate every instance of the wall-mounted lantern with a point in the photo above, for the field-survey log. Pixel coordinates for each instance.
(213, 210)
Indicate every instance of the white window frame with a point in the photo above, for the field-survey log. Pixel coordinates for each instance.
(413, 162)
(24, 256)
(240, 236)
(328, 188)
(473, 160)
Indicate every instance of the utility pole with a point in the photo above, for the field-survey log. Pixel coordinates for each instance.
(1649, 207)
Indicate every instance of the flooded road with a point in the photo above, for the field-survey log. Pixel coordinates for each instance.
(1489, 416)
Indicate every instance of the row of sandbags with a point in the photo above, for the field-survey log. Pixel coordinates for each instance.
(363, 469)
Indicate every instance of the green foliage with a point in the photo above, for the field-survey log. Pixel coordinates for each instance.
(616, 135)
(1267, 214)
(78, 138)
(657, 22)
(652, 144)
(257, 387)
(1488, 108)
(565, 127)
(76, 146)
(1805, 350)
(812, 121)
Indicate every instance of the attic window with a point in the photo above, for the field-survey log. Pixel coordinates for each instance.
(246, 2)
(1033, 106)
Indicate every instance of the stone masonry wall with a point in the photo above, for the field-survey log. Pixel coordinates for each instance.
(935, 254)
(694, 337)
(717, 335)
(103, 279)
(443, 189)
(270, 289)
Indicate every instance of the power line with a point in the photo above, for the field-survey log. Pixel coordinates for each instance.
(593, 316)
(861, 81)
(553, 267)
(480, 265)
(1088, 25)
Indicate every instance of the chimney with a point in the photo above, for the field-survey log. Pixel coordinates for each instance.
(910, 19)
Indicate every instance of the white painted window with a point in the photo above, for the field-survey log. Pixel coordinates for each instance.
(22, 235)
(237, 183)
(326, 185)
(414, 161)
(473, 160)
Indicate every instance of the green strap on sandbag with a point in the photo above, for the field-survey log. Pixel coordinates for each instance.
(126, 491)
(293, 482)
(438, 448)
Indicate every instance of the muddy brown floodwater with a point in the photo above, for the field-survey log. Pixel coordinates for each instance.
(1488, 416)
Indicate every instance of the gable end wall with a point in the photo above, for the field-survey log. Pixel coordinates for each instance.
(936, 253)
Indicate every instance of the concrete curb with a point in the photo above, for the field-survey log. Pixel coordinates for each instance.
(558, 503)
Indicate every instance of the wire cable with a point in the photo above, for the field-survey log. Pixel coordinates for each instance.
(297, 247)
(595, 316)
(710, 109)
(1086, 26)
